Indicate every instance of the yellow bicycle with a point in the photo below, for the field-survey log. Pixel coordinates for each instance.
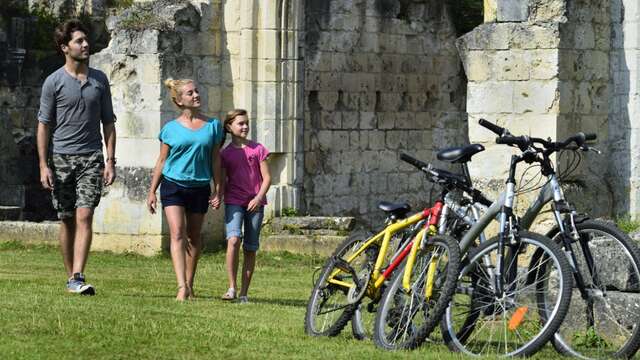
(412, 301)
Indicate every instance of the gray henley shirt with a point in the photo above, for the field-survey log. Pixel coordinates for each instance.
(74, 110)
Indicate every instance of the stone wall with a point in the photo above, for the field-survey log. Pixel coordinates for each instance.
(381, 77)
(545, 64)
(25, 61)
(624, 106)
(150, 43)
(585, 91)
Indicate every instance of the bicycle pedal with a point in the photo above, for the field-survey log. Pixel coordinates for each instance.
(371, 307)
(344, 266)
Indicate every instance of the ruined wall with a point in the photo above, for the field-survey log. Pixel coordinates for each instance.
(151, 42)
(623, 173)
(381, 77)
(540, 68)
(27, 57)
(585, 91)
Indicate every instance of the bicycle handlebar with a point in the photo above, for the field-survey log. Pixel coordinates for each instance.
(524, 142)
(500, 131)
(438, 174)
(415, 162)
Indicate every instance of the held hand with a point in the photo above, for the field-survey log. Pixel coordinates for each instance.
(152, 202)
(109, 173)
(254, 204)
(46, 178)
(214, 201)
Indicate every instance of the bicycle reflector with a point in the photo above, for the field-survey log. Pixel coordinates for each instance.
(517, 317)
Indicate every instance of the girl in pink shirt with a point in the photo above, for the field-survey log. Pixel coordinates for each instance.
(246, 180)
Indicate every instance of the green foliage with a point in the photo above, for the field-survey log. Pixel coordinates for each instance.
(466, 14)
(627, 224)
(288, 212)
(119, 4)
(589, 339)
(41, 36)
(292, 229)
(142, 20)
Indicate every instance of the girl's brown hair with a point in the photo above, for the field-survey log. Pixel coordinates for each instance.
(175, 88)
(231, 115)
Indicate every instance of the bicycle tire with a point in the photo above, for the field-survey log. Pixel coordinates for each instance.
(322, 289)
(364, 316)
(505, 309)
(613, 305)
(394, 305)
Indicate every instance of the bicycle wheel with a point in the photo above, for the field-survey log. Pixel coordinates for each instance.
(363, 319)
(478, 322)
(406, 317)
(606, 323)
(364, 315)
(331, 304)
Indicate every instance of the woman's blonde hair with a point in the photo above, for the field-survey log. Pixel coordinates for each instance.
(175, 88)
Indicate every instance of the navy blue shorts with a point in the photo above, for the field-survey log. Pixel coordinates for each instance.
(194, 200)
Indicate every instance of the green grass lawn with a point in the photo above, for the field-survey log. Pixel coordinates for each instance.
(135, 315)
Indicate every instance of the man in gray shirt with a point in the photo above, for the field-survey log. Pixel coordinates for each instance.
(75, 100)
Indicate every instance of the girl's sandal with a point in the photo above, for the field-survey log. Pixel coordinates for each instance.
(230, 294)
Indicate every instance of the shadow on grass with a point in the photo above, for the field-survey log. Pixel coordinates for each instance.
(281, 302)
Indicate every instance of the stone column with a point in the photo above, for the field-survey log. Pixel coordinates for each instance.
(624, 106)
(545, 74)
(268, 87)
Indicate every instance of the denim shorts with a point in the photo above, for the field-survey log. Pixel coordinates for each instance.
(194, 200)
(235, 216)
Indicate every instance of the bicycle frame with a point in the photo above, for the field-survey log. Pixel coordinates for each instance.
(550, 192)
(377, 277)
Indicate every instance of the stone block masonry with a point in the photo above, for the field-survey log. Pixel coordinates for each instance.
(548, 76)
(379, 80)
(149, 43)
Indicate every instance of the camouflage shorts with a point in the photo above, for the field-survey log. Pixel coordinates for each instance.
(78, 181)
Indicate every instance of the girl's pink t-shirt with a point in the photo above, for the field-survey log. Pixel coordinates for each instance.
(242, 168)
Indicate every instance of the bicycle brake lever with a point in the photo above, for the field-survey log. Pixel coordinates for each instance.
(590, 148)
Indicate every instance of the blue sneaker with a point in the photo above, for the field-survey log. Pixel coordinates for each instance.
(76, 285)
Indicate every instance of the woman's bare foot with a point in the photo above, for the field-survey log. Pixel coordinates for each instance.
(192, 295)
(183, 293)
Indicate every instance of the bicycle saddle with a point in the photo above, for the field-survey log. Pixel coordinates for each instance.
(461, 154)
(397, 210)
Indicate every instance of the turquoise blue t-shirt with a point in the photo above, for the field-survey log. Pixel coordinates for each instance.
(189, 161)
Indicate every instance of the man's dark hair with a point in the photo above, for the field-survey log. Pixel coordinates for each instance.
(63, 33)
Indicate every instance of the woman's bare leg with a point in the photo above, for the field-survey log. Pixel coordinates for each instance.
(177, 229)
(194, 247)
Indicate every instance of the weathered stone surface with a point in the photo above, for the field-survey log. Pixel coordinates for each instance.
(547, 10)
(312, 223)
(29, 232)
(512, 10)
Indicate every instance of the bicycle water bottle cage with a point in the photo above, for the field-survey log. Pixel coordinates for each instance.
(394, 210)
(459, 155)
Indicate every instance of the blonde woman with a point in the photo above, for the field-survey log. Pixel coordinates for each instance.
(189, 159)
